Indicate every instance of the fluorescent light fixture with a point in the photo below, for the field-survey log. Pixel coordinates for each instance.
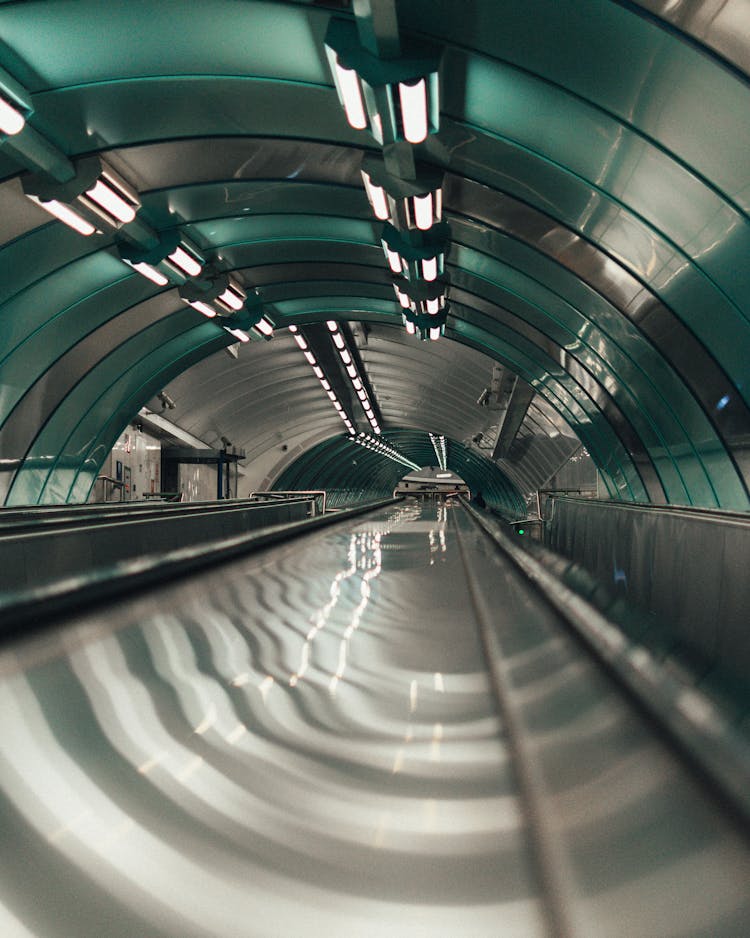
(424, 216)
(203, 308)
(64, 214)
(410, 327)
(430, 268)
(376, 197)
(402, 297)
(96, 193)
(112, 199)
(434, 334)
(149, 272)
(347, 83)
(443, 475)
(396, 95)
(413, 99)
(12, 121)
(415, 203)
(319, 374)
(186, 261)
(351, 371)
(233, 297)
(238, 334)
(264, 327)
(172, 259)
(346, 358)
(357, 384)
(338, 341)
(394, 261)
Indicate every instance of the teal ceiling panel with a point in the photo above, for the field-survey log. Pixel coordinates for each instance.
(140, 38)
(265, 198)
(112, 114)
(619, 61)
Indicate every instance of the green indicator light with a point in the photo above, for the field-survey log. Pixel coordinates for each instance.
(521, 531)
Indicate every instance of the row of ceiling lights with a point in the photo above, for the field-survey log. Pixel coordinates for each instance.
(320, 375)
(439, 444)
(94, 194)
(396, 97)
(352, 373)
(382, 448)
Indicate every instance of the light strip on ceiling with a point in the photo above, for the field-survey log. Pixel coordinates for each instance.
(441, 450)
(320, 375)
(379, 446)
(344, 354)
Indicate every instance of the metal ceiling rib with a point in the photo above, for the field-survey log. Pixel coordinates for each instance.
(585, 261)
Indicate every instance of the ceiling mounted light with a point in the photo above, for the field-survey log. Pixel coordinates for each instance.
(351, 370)
(377, 445)
(94, 195)
(214, 289)
(264, 327)
(418, 255)
(172, 260)
(15, 105)
(64, 214)
(12, 121)
(238, 334)
(406, 203)
(398, 98)
(252, 318)
(302, 343)
(427, 308)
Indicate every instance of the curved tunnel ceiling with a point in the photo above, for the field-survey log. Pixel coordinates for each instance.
(597, 191)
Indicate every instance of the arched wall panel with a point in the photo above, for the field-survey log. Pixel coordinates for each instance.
(599, 231)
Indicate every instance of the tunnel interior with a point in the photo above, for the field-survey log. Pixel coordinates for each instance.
(597, 237)
(315, 245)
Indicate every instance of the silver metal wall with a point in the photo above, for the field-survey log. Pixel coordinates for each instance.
(687, 568)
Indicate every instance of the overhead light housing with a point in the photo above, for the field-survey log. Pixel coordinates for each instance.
(406, 203)
(96, 195)
(15, 105)
(424, 305)
(252, 318)
(174, 259)
(396, 98)
(216, 294)
(215, 289)
(414, 254)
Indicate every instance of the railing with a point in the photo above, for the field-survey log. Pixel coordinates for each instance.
(686, 568)
(318, 494)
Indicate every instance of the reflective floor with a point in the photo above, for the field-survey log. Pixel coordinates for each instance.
(307, 741)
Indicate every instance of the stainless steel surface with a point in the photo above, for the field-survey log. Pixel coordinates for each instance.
(722, 25)
(306, 741)
(688, 570)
